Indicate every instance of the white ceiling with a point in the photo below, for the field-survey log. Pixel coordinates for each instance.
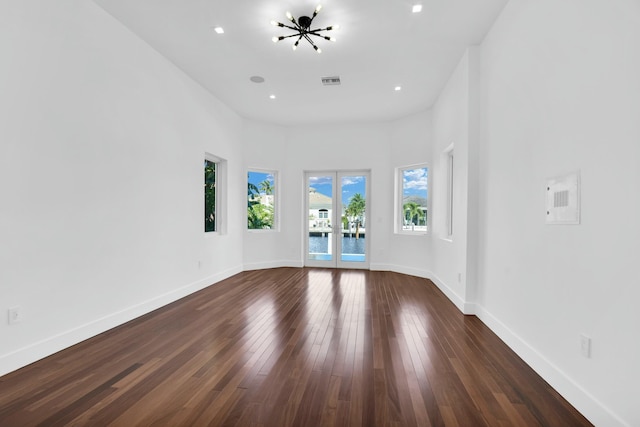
(381, 44)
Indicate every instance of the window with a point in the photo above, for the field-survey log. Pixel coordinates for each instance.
(449, 157)
(214, 175)
(261, 200)
(210, 168)
(412, 201)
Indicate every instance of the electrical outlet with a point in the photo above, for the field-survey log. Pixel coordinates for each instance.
(15, 315)
(585, 346)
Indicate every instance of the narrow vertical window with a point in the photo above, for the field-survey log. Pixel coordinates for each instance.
(210, 169)
(450, 193)
(261, 200)
(412, 199)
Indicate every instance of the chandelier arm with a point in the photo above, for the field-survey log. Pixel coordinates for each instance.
(310, 41)
(298, 27)
(314, 33)
(288, 26)
(290, 35)
(320, 29)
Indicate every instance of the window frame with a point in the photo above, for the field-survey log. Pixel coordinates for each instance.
(399, 215)
(450, 164)
(220, 194)
(276, 204)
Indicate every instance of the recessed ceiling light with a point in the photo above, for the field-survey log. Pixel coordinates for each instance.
(272, 96)
(398, 88)
(416, 8)
(219, 30)
(257, 79)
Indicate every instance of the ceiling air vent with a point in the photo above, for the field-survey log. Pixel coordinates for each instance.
(331, 81)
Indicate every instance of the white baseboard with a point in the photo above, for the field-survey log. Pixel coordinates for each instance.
(450, 293)
(581, 399)
(469, 308)
(426, 274)
(24, 356)
(584, 402)
(273, 264)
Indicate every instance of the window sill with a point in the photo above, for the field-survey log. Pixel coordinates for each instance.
(412, 233)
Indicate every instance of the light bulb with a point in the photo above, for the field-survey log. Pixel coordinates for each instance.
(274, 39)
(318, 7)
(289, 16)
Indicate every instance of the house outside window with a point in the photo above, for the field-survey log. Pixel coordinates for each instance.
(412, 200)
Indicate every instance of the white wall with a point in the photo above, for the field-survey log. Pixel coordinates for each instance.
(265, 147)
(410, 144)
(560, 92)
(101, 147)
(454, 124)
(379, 148)
(101, 151)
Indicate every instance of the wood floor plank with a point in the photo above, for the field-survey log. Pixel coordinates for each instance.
(291, 347)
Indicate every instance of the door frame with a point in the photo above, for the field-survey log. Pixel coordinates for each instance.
(336, 219)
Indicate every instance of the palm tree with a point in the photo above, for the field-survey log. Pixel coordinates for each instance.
(355, 209)
(266, 187)
(413, 210)
(253, 219)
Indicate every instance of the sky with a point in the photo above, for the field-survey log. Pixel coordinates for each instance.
(351, 185)
(414, 183)
(257, 177)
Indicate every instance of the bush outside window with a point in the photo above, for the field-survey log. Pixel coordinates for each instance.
(261, 206)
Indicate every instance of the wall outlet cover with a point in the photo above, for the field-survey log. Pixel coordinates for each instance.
(15, 315)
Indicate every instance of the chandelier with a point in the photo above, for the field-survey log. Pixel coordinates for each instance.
(302, 28)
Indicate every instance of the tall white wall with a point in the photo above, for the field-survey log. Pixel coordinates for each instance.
(265, 147)
(455, 116)
(378, 147)
(410, 144)
(101, 152)
(101, 149)
(559, 93)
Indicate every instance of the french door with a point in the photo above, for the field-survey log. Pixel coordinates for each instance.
(337, 230)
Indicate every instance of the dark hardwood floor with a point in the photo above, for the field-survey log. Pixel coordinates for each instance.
(291, 347)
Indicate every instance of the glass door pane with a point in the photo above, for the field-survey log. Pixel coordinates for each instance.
(353, 221)
(321, 245)
(336, 228)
